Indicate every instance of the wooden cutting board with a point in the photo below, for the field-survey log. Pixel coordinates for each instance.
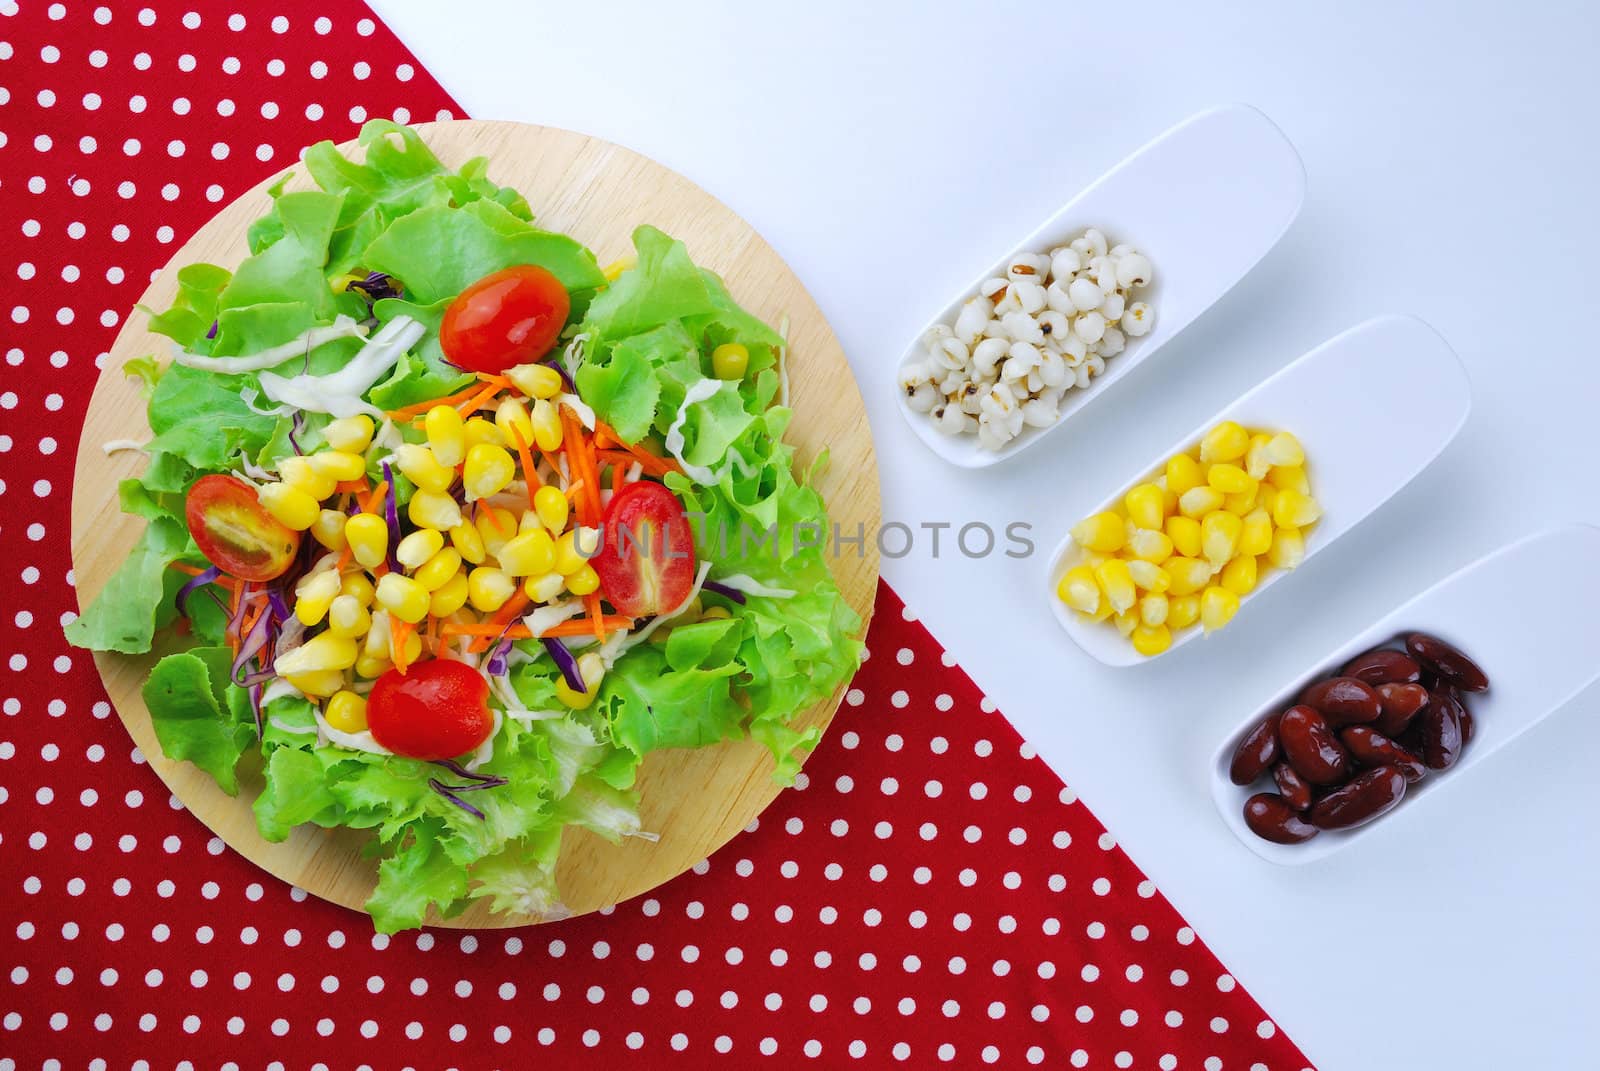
(696, 800)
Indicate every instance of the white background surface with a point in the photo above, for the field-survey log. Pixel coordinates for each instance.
(890, 151)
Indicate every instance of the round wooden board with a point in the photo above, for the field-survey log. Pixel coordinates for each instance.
(696, 800)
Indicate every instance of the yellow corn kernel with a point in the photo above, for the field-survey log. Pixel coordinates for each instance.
(313, 595)
(351, 434)
(535, 380)
(546, 425)
(1127, 621)
(468, 543)
(1154, 609)
(1183, 611)
(512, 416)
(1148, 576)
(545, 588)
(290, 506)
(1217, 607)
(1151, 640)
(338, 465)
(1230, 479)
(1285, 449)
(348, 617)
(438, 570)
(1079, 589)
(418, 547)
(1255, 457)
(298, 471)
(1196, 502)
(552, 507)
(346, 712)
(324, 651)
(1185, 535)
(575, 548)
(1290, 478)
(584, 582)
(488, 470)
(1117, 582)
(1242, 502)
(1104, 532)
(328, 529)
(495, 527)
(530, 520)
(433, 509)
(422, 467)
(1239, 576)
(1295, 510)
(358, 585)
(376, 645)
(1151, 546)
(1225, 442)
(1219, 537)
(1288, 548)
(316, 683)
(1255, 537)
(1183, 472)
(447, 436)
(731, 361)
(450, 596)
(488, 589)
(1266, 497)
(591, 671)
(532, 553)
(368, 537)
(372, 666)
(403, 597)
(479, 430)
(412, 645)
(1169, 498)
(614, 270)
(1145, 505)
(1187, 575)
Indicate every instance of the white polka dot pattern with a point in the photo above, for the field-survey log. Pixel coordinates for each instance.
(929, 893)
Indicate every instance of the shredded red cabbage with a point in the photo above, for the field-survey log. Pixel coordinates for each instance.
(195, 584)
(561, 370)
(255, 708)
(375, 287)
(496, 666)
(449, 793)
(724, 590)
(565, 662)
(391, 514)
(461, 771)
(295, 428)
(249, 646)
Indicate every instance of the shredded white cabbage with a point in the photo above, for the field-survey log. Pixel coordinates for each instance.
(582, 408)
(342, 327)
(277, 688)
(544, 618)
(702, 390)
(339, 393)
(751, 586)
(117, 445)
(485, 752)
(362, 741)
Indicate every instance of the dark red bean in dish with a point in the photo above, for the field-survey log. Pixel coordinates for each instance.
(1371, 748)
(1256, 752)
(1343, 700)
(1469, 725)
(1270, 818)
(1447, 662)
(1366, 797)
(1295, 790)
(1383, 666)
(1310, 747)
(1441, 730)
(1400, 702)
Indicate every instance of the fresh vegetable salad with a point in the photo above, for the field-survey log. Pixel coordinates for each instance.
(454, 522)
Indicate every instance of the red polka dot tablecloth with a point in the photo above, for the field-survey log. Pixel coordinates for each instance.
(929, 894)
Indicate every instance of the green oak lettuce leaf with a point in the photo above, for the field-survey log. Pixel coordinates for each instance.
(422, 374)
(296, 791)
(189, 710)
(420, 873)
(138, 597)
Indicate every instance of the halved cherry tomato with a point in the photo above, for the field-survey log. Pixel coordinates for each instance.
(509, 318)
(437, 709)
(235, 532)
(646, 564)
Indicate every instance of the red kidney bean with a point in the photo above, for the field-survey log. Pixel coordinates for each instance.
(1468, 725)
(1441, 730)
(1256, 752)
(1343, 700)
(1309, 745)
(1363, 799)
(1371, 748)
(1383, 666)
(1270, 818)
(1294, 789)
(1447, 662)
(1400, 704)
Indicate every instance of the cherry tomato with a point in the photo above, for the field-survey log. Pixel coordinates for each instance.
(235, 532)
(509, 318)
(646, 563)
(437, 709)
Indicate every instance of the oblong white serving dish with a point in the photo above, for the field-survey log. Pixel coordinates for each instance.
(1487, 610)
(1205, 202)
(1373, 407)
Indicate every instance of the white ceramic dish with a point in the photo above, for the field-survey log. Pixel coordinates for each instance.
(1205, 202)
(1373, 407)
(1487, 610)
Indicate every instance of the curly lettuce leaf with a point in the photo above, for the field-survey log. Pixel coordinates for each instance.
(189, 709)
(125, 615)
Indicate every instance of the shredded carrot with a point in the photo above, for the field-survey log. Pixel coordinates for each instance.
(399, 632)
(603, 439)
(251, 616)
(501, 617)
(354, 487)
(575, 489)
(640, 454)
(420, 408)
(581, 463)
(596, 618)
(576, 627)
(371, 504)
(191, 570)
(474, 403)
(530, 476)
(500, 381)
(495, 522)
(618, 476)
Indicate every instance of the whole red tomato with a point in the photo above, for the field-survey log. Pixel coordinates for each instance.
(509, 318)
(437, 709)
